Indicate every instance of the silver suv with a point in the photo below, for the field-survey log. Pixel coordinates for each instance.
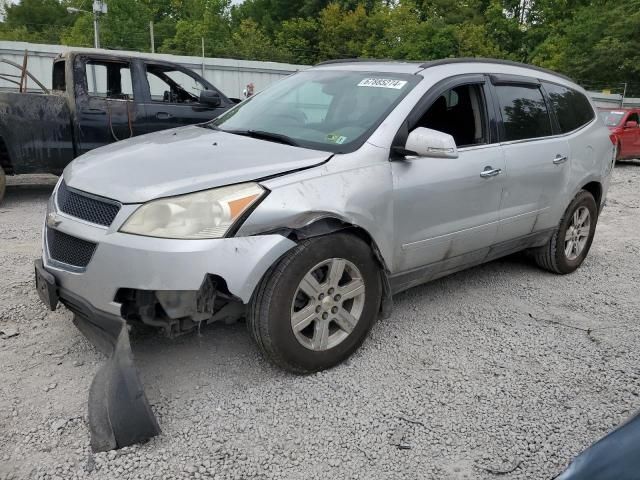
(305, 208)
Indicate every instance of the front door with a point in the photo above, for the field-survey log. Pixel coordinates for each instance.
(444, 209)
(173, 98)
(538, 163)
(630, 136)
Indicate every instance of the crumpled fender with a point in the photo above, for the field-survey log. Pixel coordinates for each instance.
(119, 412)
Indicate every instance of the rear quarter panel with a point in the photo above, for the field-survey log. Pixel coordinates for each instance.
(37, 132)
(591, 159)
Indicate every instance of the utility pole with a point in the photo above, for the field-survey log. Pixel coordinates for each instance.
(202, 57)
(153, 44)
(624, 93)
(99, 8)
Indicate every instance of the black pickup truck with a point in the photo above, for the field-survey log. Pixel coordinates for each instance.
(97, 99)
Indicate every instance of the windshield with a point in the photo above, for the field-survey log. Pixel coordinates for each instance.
(323, 110)
(611, 119)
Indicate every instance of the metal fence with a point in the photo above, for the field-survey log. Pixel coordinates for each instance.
(230, 76)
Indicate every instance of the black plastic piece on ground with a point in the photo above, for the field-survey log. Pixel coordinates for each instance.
(119, 412)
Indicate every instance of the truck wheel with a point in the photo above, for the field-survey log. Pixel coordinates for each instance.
(315, 306)
(3, 183)
(570, 243)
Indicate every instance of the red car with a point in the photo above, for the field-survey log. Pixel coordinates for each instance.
(624, 123)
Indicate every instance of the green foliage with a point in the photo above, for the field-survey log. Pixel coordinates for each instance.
(595, 41)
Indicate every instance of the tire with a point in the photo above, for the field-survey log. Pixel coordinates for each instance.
(3, 184)
(280, 295)
(553, 256)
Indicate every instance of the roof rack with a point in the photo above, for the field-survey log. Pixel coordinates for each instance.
(446, 61)
(360, 60)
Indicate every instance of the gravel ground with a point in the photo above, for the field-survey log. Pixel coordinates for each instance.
(502, 371)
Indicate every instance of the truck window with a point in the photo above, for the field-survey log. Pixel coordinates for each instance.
(109, 80)
(171, 85)
(58, 78)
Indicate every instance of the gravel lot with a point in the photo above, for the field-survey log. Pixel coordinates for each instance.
(503, 371)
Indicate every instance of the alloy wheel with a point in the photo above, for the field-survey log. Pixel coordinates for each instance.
(577, 233)
(327, 304)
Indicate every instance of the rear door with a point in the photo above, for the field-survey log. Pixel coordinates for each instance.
(172, 98)
(537, 158)
(106, 105)
(443, 207)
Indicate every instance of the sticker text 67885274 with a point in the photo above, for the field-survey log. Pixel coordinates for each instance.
(382, 83)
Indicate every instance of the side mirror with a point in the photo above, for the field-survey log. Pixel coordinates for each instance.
(210, 98)
(631, 124)
(425, 142)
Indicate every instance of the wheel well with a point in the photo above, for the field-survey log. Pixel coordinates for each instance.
(328, 225)
(5, 160)
(595, 189)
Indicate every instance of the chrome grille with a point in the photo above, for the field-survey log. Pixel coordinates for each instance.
(70, 250)
(87, 207)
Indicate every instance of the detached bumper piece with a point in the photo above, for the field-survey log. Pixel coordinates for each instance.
(119, 412)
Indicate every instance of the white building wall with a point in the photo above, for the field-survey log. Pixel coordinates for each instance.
(230, 76)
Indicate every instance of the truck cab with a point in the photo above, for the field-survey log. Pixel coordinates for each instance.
(624, 124)
(97, 99)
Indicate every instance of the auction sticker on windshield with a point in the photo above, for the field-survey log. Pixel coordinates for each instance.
(383, 83)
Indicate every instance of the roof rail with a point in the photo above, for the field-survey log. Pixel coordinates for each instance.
(356, 60)
(446, 61)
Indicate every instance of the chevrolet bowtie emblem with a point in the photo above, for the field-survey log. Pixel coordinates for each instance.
(53, 220)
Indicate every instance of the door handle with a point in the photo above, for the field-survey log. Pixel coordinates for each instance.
(94, 111)
(560, 159)
(163, 115)
(490, 172)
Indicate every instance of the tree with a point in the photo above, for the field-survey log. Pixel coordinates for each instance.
(126, 26)
(39, 21)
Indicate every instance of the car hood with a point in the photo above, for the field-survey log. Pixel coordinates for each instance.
(183, 160)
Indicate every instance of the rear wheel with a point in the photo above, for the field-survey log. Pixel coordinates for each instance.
(570, 243)
(316, 305)
(3, 183)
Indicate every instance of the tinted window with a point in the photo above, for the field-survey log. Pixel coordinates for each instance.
(460, 112)
(524, 112)
(572, 108)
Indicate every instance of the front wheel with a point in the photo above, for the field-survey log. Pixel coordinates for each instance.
(316, 305)
(570, 243)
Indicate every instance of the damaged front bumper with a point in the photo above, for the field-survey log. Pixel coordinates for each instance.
(171, 284)
(119, 412)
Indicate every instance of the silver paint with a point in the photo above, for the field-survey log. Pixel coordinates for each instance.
(418, 211)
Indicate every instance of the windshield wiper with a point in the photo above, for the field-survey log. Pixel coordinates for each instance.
(262, 135)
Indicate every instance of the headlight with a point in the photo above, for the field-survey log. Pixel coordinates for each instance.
(207, 214)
